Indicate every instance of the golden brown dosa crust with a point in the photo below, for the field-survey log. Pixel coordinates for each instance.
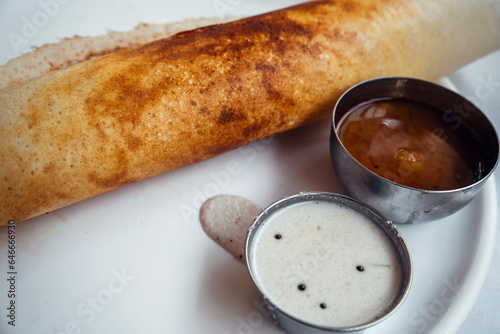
(135, 113)
(70, 51)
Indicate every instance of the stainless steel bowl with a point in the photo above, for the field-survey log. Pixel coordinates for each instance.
(399, 203)
(295, 325)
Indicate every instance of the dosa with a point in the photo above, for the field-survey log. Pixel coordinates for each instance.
(104, 123)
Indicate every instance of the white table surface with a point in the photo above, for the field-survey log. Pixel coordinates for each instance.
(480, 81)
(471, 82)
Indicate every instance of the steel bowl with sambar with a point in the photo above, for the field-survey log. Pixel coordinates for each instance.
(414, 150)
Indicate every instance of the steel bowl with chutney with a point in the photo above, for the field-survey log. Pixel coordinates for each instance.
(327, 263)
(412, 149)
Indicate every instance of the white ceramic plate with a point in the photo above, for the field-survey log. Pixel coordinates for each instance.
(135, 260)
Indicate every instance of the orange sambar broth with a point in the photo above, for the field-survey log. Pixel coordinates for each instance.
(409, 143)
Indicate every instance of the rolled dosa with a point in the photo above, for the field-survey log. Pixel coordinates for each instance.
(117, 119)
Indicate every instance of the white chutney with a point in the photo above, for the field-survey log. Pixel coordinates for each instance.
(326, 264)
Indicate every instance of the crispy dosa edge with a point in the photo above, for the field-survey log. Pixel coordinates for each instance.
(70, 51)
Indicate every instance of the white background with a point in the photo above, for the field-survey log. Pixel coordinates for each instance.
(173, 279)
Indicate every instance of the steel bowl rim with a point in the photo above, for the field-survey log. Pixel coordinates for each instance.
(427, 191)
